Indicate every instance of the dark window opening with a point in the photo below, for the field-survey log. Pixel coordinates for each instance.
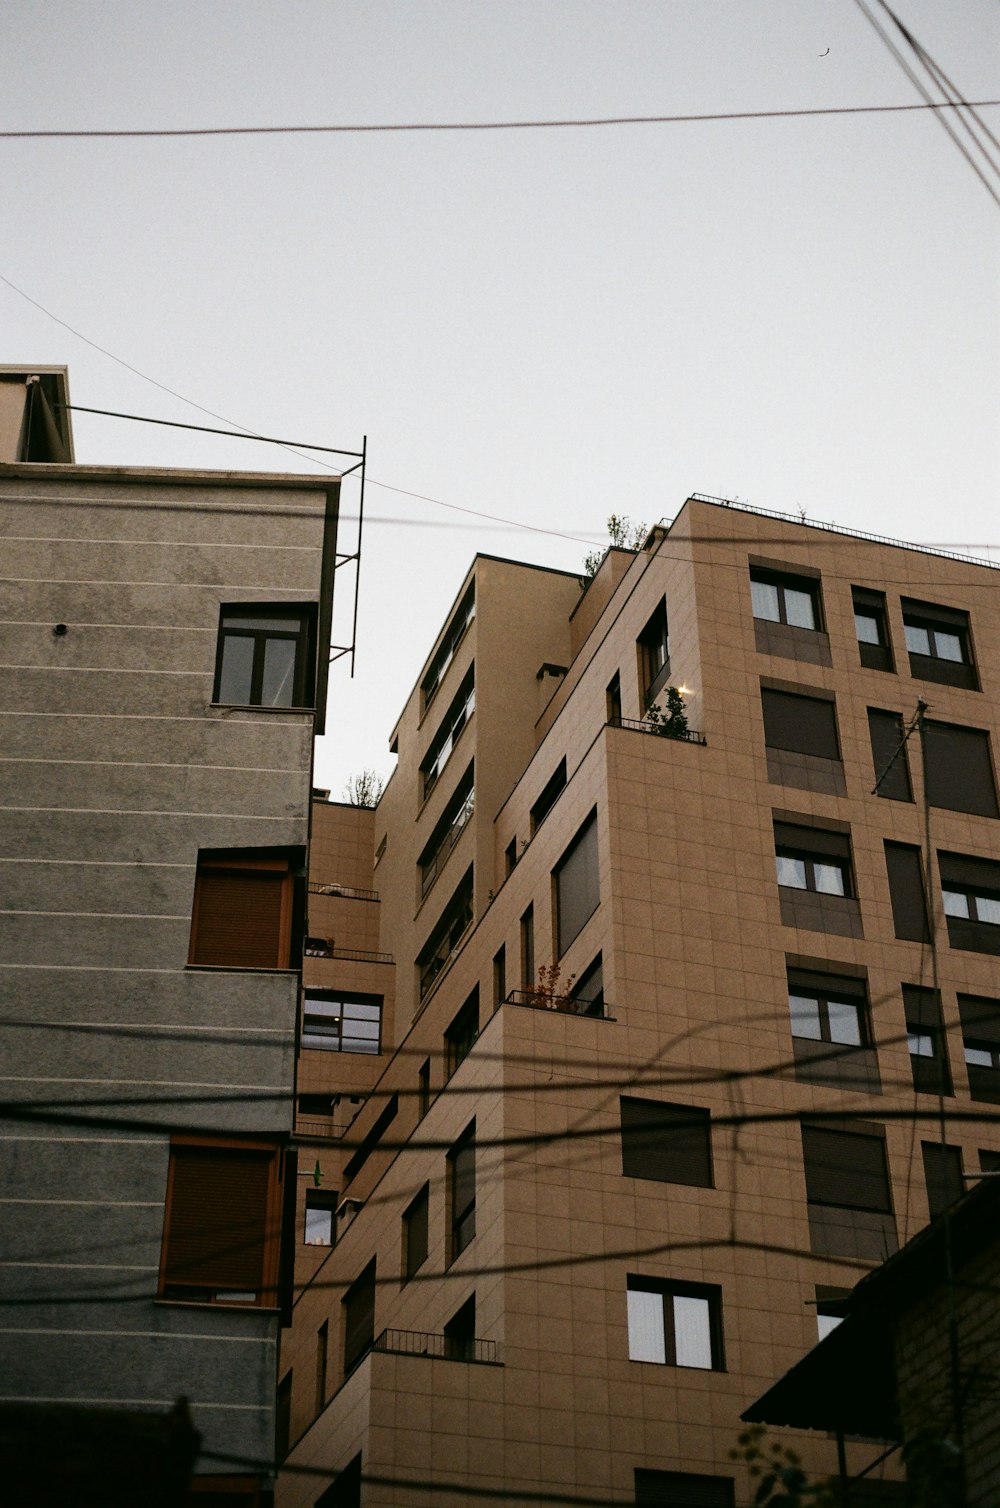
(588, 991)
(846, 1168)
(444, 941)
(283, 1417)
(668, 1143)
(872, 627)
(958, 769)
(510, 856)
(925, 1040)
(681, 1489)
(462, 1192)
(937, 639)
(322, 1357)
(942, 1175)
(528, 949)
(345, 1490)
(577, 885)
(462, 1033)
(907, 895)
(447, 736)
(266, 655)
(359, 1317)
(800, 724)
(424, 1087)
(614, 698)
(447, 831)
(500, 976)
(371, 1139)
(460, 1333)
(890, 768)
(415, 1233)
(553, 789)
(454, 634)
(653, 645)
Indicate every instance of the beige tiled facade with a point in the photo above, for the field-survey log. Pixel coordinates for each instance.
(700, 949)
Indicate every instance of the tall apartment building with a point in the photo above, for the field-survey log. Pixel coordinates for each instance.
(673, 1021)
(164, 672)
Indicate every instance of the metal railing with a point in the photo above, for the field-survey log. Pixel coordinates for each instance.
(435, 863)
(325, 947)
(346, 892)
(540, 1000)
(426, 1343)
(329, 1128)
(689, 736)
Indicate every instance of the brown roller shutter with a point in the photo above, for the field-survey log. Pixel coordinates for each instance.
(971, 873)
(217, 1219)
(906, 892)
(845, 1168)
(577, 884)
(240, 918)
(958, 768)
(670, 1143)
(812, 840)
(801, 724)
(359, 1317)
(681, 1489)
(891, 770)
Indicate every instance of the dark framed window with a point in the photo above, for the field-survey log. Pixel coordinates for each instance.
(453, 636)
(528, 949)
(323, 1103)
(908, 897)
(668, 1143)
(283, 1417)
(682, 1489)
(970, 894)
(372, 1137)
(461, 709)
(461, 1035)
(847, 1169)
(613, 697)
(462, 1192)
(890, 768)
(345, 1490)
(815, 859)
(925, 1040)
(359, 1317)
(958, 769)
(831, 1029)
(552, 790)
(942, 1175)
(788, 599)
(320, 1218)
(447, 830)
(500, 976)
(939, 645)
(871, 625)
(831, 1308)
(322, 1358)
(222, 1223)
(460, 1332)
(444, 941)
(415, 1232)
(335, 1022)
(510, 856)
(266, 655)
(243, 908)
(800, 723)
(577, 885)
(981, 1046)
(675, 1324)
(653, 646)
(588, 991)
(424, 1087)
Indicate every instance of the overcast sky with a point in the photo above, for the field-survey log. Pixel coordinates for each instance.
(545, 325)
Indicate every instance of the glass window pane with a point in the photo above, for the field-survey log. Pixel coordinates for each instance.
(692, 1332)
(827, 1322)
(955, 903)
(319, 1227)
(948, 646)
(645, 1327)
(988, 909)
(278, 686)
(799, 608)
(917, 639)
(791, 872)
(269, 625)
(920, 1045)
(805, 1017)
(829, 879)
(764, 597)
(979, 1055)
(867, 628)
(237, 668)
(845, 1025)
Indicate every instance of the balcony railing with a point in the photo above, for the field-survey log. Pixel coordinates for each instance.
(327, 1128)
(689, 736)
(325, 947)
(432, 868)
(445, 1347)
(541, 1000)
(347, 892)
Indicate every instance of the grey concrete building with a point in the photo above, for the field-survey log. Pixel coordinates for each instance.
(162, 675)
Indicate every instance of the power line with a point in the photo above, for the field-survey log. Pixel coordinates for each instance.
(389, 127)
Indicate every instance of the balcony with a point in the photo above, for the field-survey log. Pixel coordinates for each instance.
(568, 1005)
(689, 736)
(443, 1347)
(325, 947)
(344, 892)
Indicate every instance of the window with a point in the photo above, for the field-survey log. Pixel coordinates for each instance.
(447, 831)
(958, 769)
(925, 1040)
(970, 893)
(499, 976)
(510, 856)
(831, 1308)
(942, 1175)
(553, 789)
(669, 1143)
(242, 912)
(359, 1317)
(829, 1012)
(937, 639)
(415, 1229)
(322, 1357)
(460, 1333)
(283, 1417)
(872, 628)
(577, 885)
(528, 949)
(462, 1033)
(321, 1218)
(372, 1137)
(588, 992)
(681, 1489)
(455, 719)
(462, 1191)
(905, 873)
(266, 655)
(345, 1490)
(981, 1044)
(777, 598)
(454, 634)
(653, 647)
(316, 1104)
(222, 1222)
(424, 1087)
(847, 1186)
(614, 698)
(799, 723)
(334, 1022)
(812, 859)
(890, 770)
(675, 1324)
(443, 943)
